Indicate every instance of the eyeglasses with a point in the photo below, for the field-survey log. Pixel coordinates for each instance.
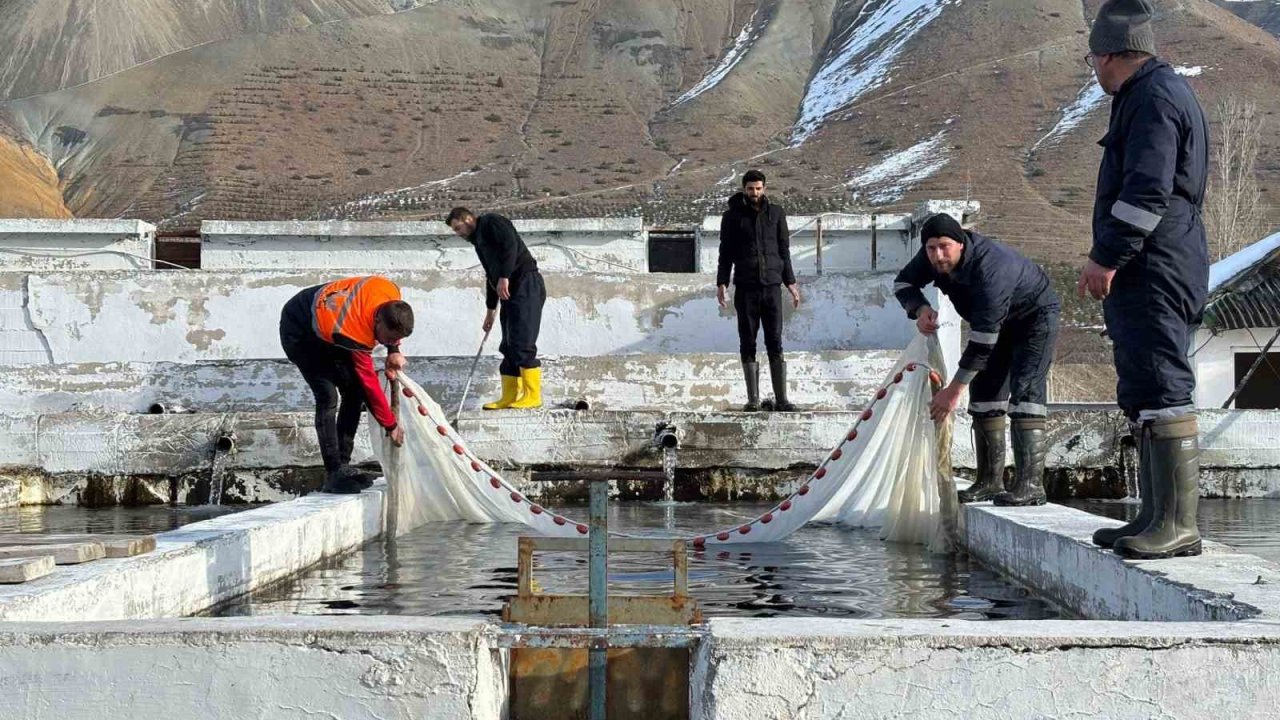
(1091, 60)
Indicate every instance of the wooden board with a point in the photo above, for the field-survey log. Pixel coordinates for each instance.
(63, 554)
(20, 570)
(117, 546)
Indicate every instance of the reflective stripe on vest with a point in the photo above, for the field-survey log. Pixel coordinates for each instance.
(333, 307)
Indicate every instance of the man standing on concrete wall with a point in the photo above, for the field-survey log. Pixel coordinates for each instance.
(1012, 312)
(755, 246)
(1150, 266)
(512, 278)
(329, 332)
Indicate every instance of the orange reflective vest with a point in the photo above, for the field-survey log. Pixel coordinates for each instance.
(344, 310)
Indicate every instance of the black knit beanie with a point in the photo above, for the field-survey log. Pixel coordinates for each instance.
(1121, 26)
(943, 225)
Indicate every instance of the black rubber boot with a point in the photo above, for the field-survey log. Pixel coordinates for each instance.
(345, 480)
(1106, 537)
(751, 373)
(988, 446)
(346, 446)
(778, 374)
(1028, 465)
(1175, 493)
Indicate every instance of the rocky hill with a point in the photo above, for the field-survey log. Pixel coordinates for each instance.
(174, 112)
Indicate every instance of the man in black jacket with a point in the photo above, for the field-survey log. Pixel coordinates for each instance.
(1012, 312)
(1150, 266)
(755, 246)
(512, 277)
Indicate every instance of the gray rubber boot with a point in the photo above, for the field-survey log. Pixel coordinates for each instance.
(1175, 493)
(988, 446)
(778, 374)
(751, 373)
(1028, 465)
(1106, 537)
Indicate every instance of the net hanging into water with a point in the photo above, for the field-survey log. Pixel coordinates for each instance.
(889, 471)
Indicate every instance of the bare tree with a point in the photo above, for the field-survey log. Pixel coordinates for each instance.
(1233, 208)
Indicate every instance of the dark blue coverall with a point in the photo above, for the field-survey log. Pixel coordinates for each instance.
(1012, 312)
(1147, 225)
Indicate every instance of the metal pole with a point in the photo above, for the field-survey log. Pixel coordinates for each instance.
(392, 470)
(470, 377)
(1253, 369)
(598, 594)
(818, 246)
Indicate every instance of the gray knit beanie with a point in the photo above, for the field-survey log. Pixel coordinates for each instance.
(1123, 25)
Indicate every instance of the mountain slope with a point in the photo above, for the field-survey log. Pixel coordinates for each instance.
(582, 107)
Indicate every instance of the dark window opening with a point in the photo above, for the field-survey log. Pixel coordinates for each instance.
(673, 251)
(181, 249)
(1262, 392)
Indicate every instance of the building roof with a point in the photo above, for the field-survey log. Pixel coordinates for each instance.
(1244, 289)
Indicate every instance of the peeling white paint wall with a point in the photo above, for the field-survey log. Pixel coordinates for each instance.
(286, 668)
(189, 316)
(814, 669)
(690, 381)
(42, 245)
(605, 245)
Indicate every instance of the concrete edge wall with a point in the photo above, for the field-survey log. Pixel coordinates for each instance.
(1050, 549)
(811, 669)
(744, 669)
(202, 564)
(271, 667)
(78, 245)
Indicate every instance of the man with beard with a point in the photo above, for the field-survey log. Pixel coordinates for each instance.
(755, 248)
(512, 277)
(1012, 313)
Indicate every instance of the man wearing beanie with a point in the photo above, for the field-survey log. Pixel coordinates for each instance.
(1149, 265)
(1012, 313)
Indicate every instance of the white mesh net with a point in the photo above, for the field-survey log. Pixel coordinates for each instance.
(886, 472)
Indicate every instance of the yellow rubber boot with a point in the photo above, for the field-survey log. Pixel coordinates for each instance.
(531, 378)
(510, 393)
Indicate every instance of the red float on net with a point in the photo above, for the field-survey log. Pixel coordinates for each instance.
(853, 435)
(766, 518)
(722, 536)
(495, 483)
(515, 497)
(821, 473)
(458, 449)
(408, 392)
(911, 367)
(785, 506)
(804, 490)
(442, 430)
(422, 410)
(837, 454)
(475, 466)
(582, 529)
(699, 542)
(558, 520)
(897, 378)
(866, 414)
(535, 509)
(880, 395)
(744, 529)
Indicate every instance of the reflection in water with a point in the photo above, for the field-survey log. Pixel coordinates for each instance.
(456, 569)
(1250, 525)
(112, 520)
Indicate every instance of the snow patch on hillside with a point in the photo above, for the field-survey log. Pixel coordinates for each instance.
(890, 179)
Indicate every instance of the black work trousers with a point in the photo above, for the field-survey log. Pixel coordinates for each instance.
(521, 320)
(331, 374)
(1016, 378)
(758, 305)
